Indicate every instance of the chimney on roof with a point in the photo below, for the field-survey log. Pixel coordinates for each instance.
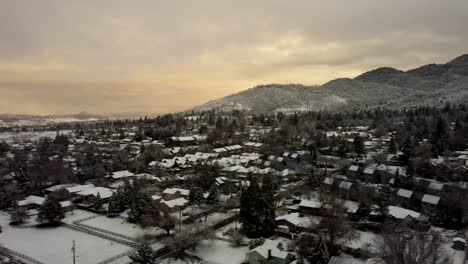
(269, 254)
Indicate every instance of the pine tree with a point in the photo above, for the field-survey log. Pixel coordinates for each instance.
(195, 196)
(358, 145)
(50, 212)
(408, 150)
(137, 207)
(144, 254)
(392, 146)
(257, 212)
(138, 135)
(98, 202)
(268, 206)
(249, 210)
(213, 194)
(18, 216)
(397, 181)
(320, 255)
(314, 155)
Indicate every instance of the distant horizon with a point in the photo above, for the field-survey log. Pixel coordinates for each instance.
(143, 113)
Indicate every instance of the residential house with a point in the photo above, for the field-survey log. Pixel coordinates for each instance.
(297, 222)
(31, 202)
(435, 188)
(404, 197)
(345, 189)
(430, 204)
(174, 193)
(311, 207)
(252, 146)
(90, 195)
(353, 171)
(174, 205)
(270, 252)
(119, 175)
(368, 173)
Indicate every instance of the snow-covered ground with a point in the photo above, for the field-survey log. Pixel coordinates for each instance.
(53, 245)
(77, 215)
(220, 252)
(120, 226)
(346, 259)
(43, 121)
(456, 256)
(10, 137)
(364, 240)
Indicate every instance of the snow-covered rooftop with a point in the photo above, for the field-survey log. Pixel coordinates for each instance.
(272, 247)
(298, 220)
(183, 192)
(32, 199)
(404, 193)
(432, 199)
(176, 202)
(345, 185)
(313, 203)
(79, 188)
(102, 191)
(401, 213)
(122, 174)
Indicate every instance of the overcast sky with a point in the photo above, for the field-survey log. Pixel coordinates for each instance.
(156, 56)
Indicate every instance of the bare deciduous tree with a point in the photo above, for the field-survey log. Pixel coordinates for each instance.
(167, 222)
(412, 248)
(336, 229)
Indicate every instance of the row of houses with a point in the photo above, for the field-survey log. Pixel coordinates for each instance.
(85, 195)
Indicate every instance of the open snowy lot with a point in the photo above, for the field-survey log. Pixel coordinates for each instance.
(121, 226)
(53, 245)
(10, 137)
(364, 240)
(77, 215)
(220, 252)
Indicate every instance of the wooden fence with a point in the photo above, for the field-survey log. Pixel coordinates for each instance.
(19, 255)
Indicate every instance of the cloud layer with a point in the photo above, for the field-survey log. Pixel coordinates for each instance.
(163, 56)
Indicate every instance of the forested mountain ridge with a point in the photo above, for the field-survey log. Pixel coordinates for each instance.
(430, 84)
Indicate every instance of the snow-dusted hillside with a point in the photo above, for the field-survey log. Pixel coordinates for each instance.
(427, 85)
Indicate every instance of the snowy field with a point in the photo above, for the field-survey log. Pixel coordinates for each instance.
(220, 252)
(29, 136)
(77, 215)
(120, 226)
(53, 245)
(365, 240)
(43, 121)
(455, 256)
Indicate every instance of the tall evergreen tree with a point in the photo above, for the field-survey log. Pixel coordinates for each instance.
(213, 194)
(268, 205)
(408, 151)
(195, 196)
(257, 212)
(320, 255)
(98, 202)
(358, 145)
(249, 213)
(50, 212)
(144, 254)
(392, 145)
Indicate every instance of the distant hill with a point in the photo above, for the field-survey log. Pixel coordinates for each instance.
(85, 115)
(431, 84)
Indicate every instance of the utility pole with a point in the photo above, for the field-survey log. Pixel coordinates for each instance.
(180, 219)
(73, 250)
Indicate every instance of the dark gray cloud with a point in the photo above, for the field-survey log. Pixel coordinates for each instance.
(145, 49)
